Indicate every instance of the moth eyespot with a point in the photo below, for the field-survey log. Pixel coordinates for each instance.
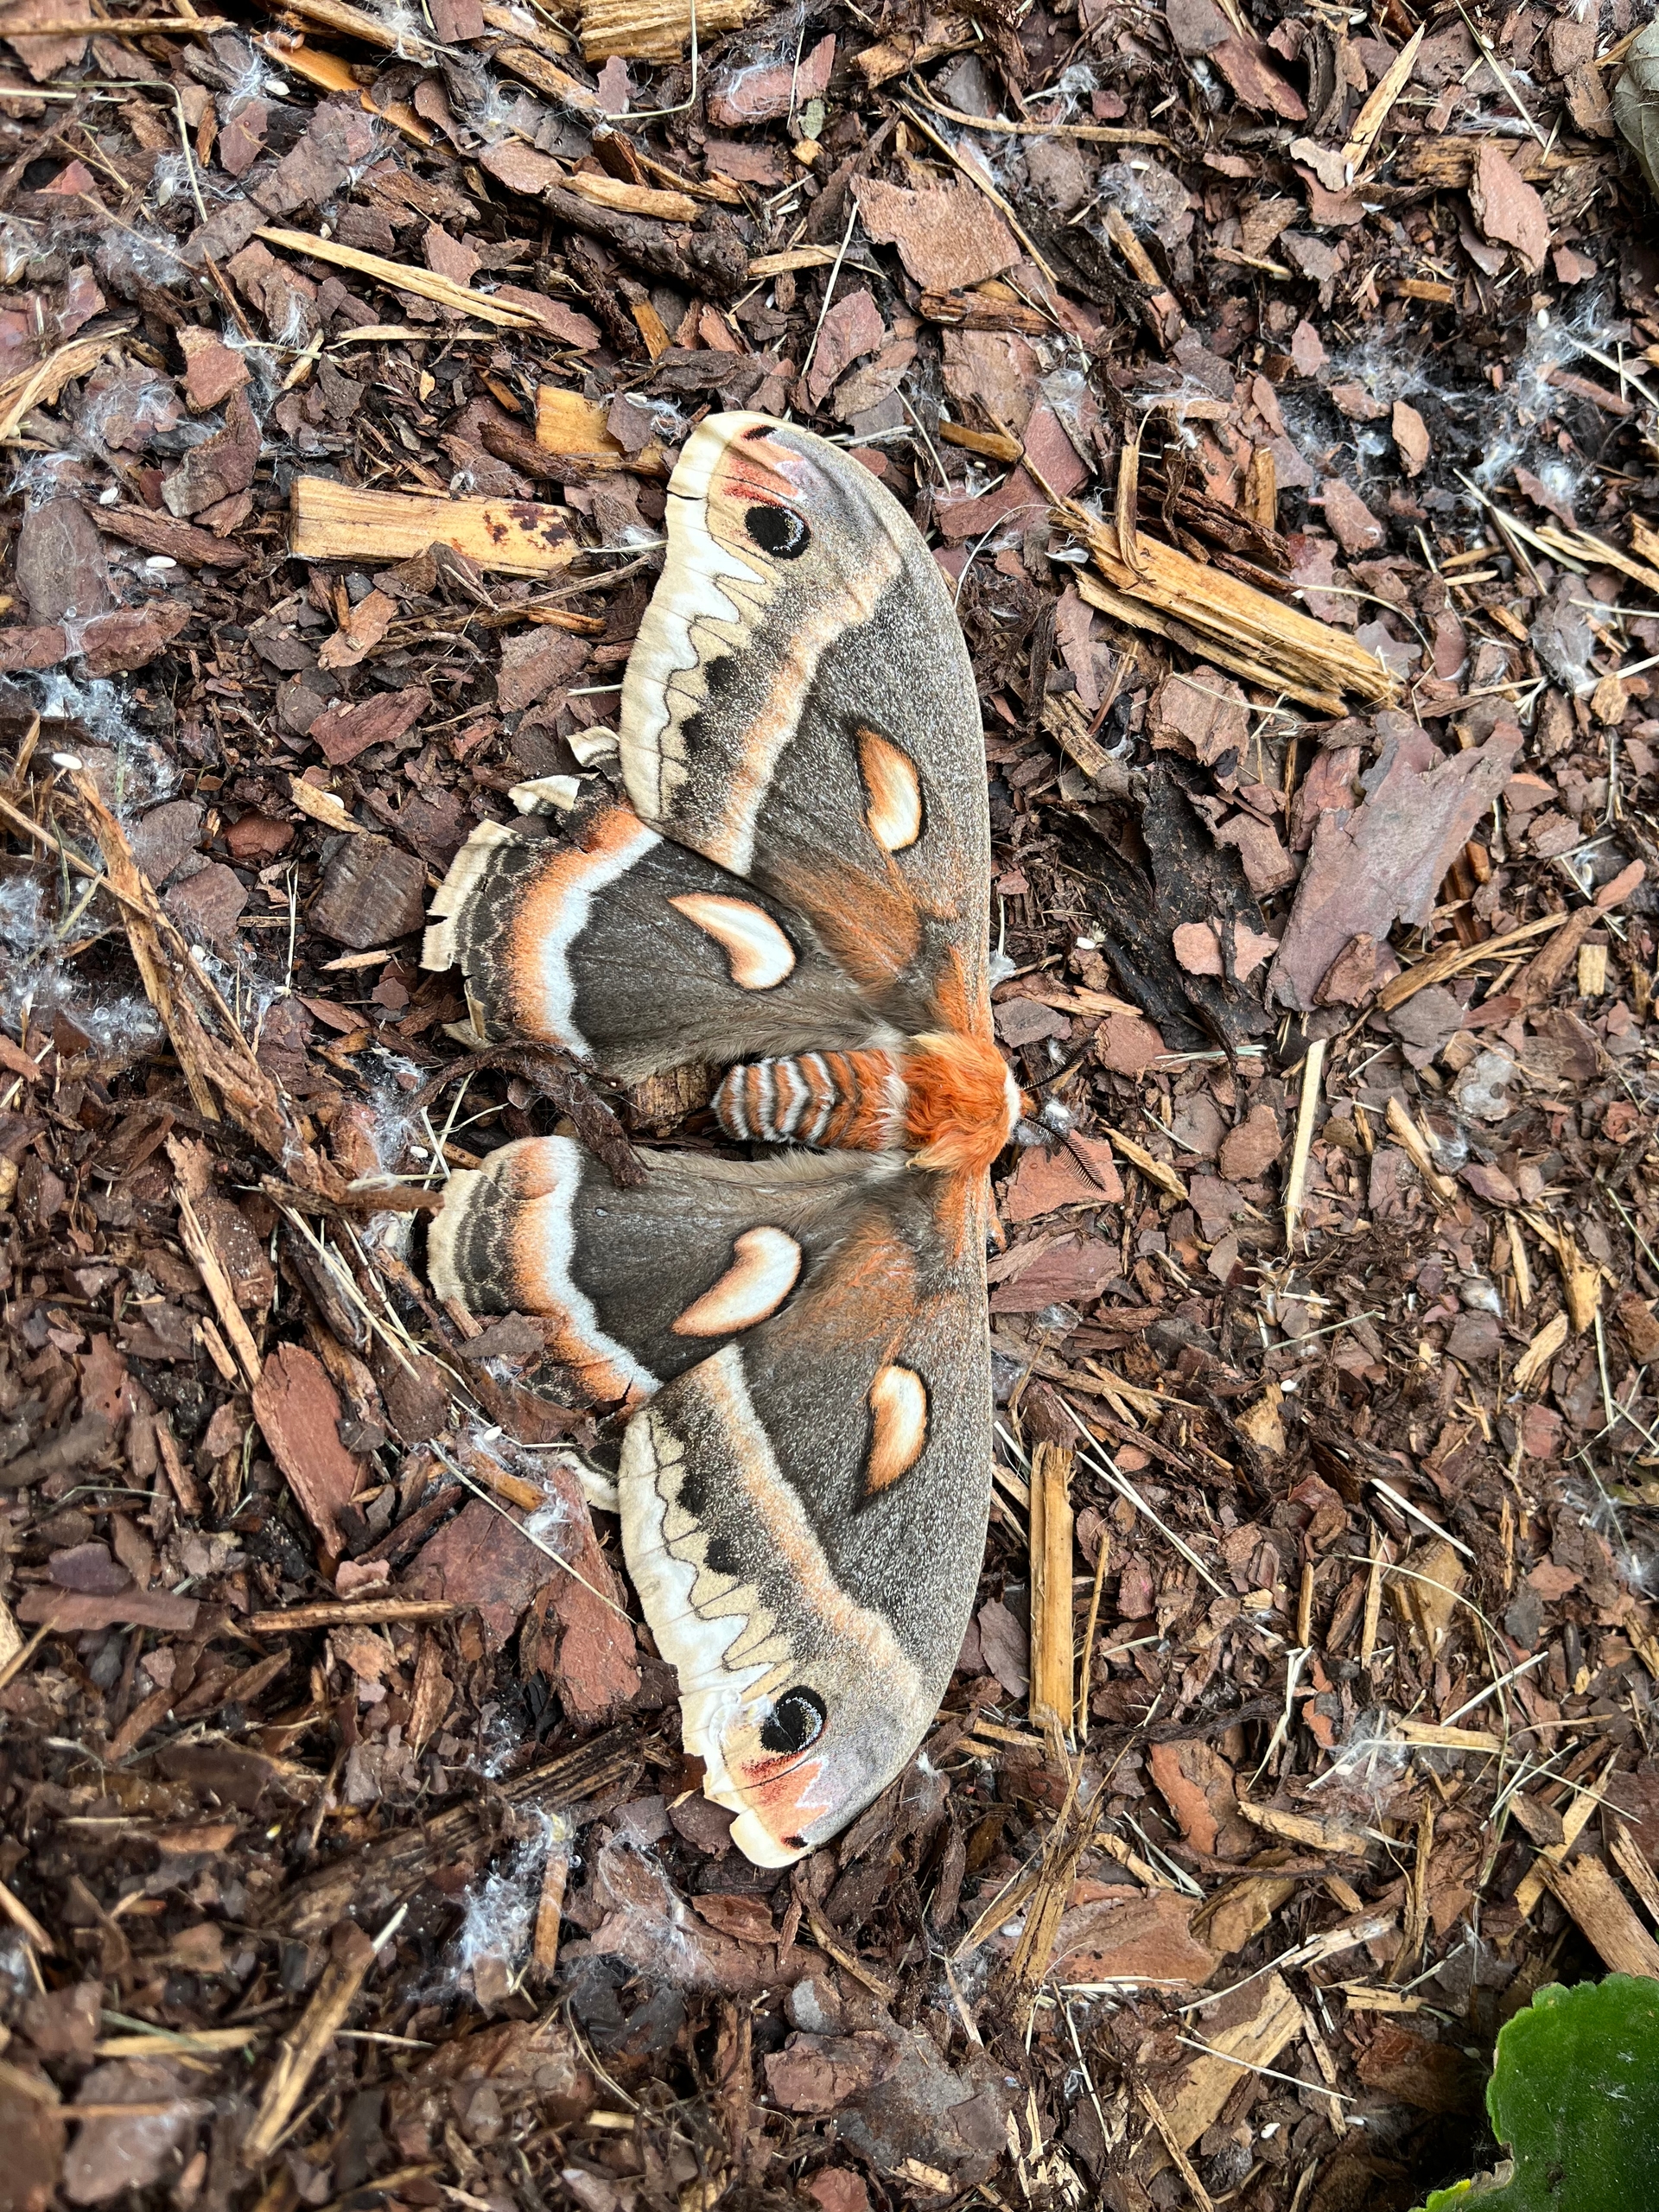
(796, 1721)
(777, 530)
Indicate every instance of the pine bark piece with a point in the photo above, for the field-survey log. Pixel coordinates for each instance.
(716, 259)
(60, 562)
(166, 534)
(533, 662)
(69, 1611)
(946, 236)
(1508, 209)
(1080, 1173)
(1114, 1932)
(584, 1641)
(482, 1559)
(339, 733)
(372, 893)
(1385, 860)
(218, 469)
(335, 522)
(299, 1410)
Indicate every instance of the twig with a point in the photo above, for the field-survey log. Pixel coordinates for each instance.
(1093, 134)
(21, 1917)
(842, 1957)
(1408, 1137)
(1375, 113)
(1052, 1700)
(1308, 1107)
(1457, 957)
(121, 27)
(1178, 2159)
(342, 1612)
(301, 2052)
(830, 289)
(1080, 1723)
(218, 1287)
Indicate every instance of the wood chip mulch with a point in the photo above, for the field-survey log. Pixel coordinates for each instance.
(1279, 389)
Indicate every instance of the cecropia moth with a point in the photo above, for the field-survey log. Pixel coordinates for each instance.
(798, 889)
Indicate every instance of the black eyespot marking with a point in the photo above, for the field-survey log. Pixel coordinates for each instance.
(796, 1721)
(775, 530)
(794, 1843)
(722, 1556)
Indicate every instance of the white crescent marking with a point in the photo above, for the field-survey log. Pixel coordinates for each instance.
(757, 952)
(894, 812)
(765, 1265)
(899, 1409)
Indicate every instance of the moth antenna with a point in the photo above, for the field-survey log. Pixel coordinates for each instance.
(1085, 1162)
(1054, 1082)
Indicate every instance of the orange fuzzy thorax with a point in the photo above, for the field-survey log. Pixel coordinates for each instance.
(959, 1104)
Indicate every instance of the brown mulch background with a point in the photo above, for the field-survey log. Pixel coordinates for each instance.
(348, 1854)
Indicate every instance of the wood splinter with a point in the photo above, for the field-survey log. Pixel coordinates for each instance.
(301, 2051)
(1052, 1693)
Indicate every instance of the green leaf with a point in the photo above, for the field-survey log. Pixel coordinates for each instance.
(1635, 102)
(1574, 2095)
